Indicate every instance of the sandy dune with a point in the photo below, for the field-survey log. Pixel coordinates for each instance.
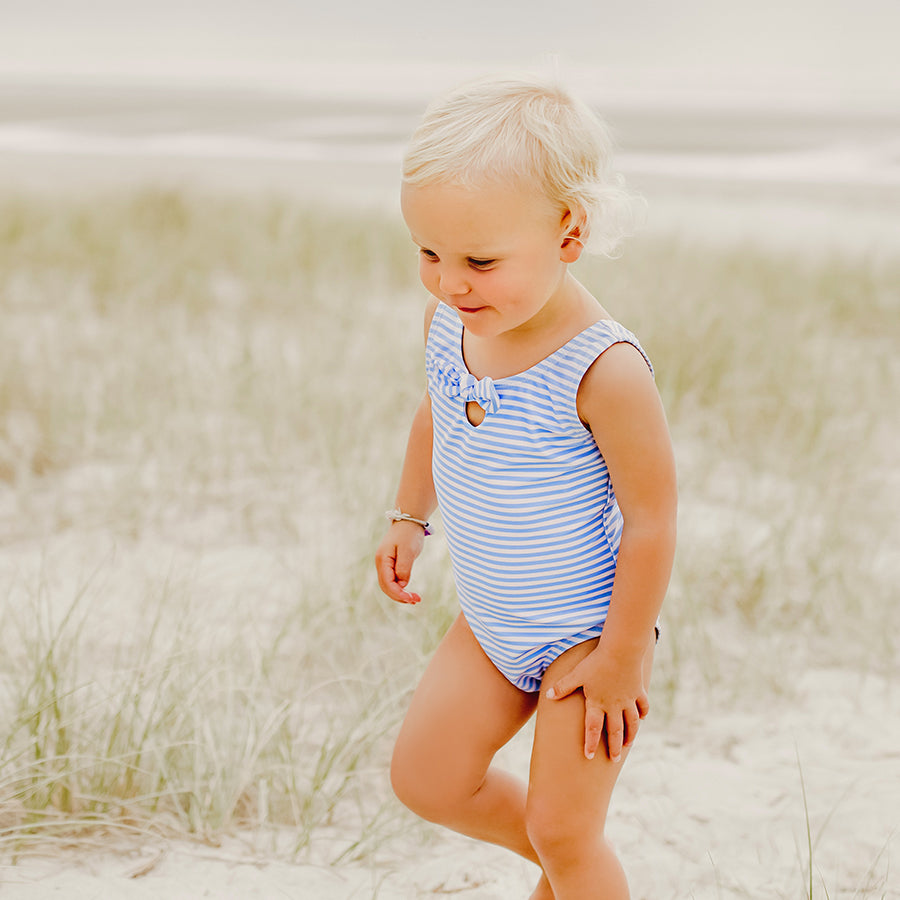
(705, 809)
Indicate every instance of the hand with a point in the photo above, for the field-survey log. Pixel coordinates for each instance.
(614, 693)
(394, 560)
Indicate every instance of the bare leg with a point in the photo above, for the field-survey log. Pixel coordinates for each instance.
(569, 796)
(543, 891)
(462, 712)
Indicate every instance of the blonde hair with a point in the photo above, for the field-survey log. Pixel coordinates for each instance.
(526, 131)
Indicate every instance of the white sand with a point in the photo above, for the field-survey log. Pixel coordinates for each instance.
(705, 809)
(708, 807)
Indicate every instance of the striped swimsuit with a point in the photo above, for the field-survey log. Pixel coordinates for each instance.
(528, 509)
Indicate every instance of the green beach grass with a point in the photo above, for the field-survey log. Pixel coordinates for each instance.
(203, 408)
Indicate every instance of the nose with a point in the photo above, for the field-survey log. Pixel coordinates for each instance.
(453, 282)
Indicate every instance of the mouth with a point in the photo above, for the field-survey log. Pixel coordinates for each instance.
(469, 310)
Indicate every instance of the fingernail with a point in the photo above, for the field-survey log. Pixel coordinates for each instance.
(590, 755)
(551, 694)
(616, 758)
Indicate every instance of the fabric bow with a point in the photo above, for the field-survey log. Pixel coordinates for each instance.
(454, 383)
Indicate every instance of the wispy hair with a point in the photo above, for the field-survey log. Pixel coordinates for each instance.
(527, 131)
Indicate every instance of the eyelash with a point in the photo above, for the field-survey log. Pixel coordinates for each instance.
(431, 256)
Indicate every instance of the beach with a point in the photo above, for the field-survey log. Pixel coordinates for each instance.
(708, 809)
(726, 170)
(201, 678)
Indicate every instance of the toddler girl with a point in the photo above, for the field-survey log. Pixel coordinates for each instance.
(542, 439)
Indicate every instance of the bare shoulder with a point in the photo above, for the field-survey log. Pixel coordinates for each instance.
(620, 367)
(618, 384)
(619, 403)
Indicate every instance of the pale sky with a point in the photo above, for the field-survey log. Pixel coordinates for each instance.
(844, 48)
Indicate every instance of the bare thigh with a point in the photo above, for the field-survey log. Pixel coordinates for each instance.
(461, 713)
(566, 790)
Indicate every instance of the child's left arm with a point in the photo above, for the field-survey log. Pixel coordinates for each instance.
(619, 403)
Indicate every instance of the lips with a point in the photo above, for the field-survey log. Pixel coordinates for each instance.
(469, 309)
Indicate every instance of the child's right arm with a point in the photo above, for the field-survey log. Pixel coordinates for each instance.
(416, 497)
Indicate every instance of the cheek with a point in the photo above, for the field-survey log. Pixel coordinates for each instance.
(426, 274)
(508, 286)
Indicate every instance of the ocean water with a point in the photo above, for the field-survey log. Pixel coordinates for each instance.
(730, 117)
(841, 149)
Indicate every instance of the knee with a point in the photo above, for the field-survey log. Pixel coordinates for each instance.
(417, 786)
(406, 781)
(560, 837)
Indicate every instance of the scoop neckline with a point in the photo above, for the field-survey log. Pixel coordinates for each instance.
(540, 362)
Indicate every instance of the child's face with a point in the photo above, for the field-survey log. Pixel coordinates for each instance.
(497, 254)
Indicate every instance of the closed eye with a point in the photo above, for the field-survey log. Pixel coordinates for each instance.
(481, 263)
(430, 255)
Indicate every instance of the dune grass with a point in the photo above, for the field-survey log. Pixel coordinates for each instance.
(203, 407)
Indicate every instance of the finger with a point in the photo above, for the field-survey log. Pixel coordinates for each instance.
(593, 730)
(385, 566)
(410, 597)
(403, 571)
(566, 685)
(403, 566)
(643, 705)
(396, 592)
(384, 569)
(615, 733)
(632, 723)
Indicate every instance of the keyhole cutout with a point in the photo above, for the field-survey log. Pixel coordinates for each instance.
(474, 413)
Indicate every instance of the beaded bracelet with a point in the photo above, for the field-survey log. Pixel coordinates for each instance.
(396, 515)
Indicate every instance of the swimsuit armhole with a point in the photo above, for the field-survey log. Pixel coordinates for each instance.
(626, 338)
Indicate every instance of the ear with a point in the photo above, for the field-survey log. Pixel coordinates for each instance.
(572, 242)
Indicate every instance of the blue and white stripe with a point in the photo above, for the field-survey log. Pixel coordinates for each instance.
(528, 509)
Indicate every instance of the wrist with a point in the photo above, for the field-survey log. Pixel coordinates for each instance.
(625, 647)
(397, 515)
